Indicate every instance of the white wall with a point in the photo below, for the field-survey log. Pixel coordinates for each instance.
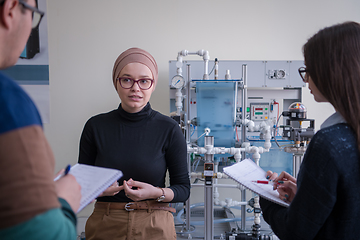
(86, 36)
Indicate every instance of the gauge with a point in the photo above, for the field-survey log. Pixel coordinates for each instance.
(177, 81)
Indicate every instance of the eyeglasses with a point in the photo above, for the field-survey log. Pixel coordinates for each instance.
(37, 15)
(144, 84)
(302, 72)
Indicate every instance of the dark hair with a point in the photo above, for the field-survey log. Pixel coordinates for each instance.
(332, 59)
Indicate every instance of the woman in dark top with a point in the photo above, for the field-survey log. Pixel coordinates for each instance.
(324, 200)
(143, 144)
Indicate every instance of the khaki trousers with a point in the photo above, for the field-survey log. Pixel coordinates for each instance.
(111, 224)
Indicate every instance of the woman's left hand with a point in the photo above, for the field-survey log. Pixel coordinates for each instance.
(138, 191)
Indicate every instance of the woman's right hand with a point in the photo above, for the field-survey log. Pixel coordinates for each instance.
(285, 184)
(112, 190)
(69, 189)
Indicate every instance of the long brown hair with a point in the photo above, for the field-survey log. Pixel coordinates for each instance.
(332, 59)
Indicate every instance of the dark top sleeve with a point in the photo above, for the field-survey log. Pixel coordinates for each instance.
(315, 197)
(87, 147)
(176, 158)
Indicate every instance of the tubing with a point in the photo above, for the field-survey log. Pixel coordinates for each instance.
(225, 220)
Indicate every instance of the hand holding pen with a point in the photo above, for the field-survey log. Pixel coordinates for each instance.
(285, 184)
(62, 172)
(68, 188)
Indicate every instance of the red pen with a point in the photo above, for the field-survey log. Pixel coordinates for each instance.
(264, 182)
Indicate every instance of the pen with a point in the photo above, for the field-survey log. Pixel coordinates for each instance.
(263, 182)
(267, 182)
(67, 170)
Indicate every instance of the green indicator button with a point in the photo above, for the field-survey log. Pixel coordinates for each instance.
(265, 108)
(247, 109)
(258, 113)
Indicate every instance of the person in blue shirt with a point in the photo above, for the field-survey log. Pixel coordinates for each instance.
(32, 205)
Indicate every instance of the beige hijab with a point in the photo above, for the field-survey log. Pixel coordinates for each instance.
(135, 55)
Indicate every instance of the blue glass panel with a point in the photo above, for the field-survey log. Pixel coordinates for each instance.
(215, 110)
(276, 160)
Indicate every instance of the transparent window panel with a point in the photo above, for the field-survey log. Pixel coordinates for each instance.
(215, 110)
(276, 160)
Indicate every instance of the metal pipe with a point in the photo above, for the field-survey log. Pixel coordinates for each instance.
(244, 101)
(297, 158)
(243, 137)
(209, 195)
(188, 139)
(188, 92)
(235, 103)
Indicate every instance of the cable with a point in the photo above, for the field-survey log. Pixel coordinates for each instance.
(237, 136)
(278, 107)
(276, 126)
(191, 230)
(201, 136)
(193, 130)
(197, 161)
(212, 69)
(198, 179)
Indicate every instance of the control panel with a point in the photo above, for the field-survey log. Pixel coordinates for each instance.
(259, 111)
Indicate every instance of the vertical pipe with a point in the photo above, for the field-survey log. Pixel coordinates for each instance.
(235, 103)
(209, 213)
(244, 102)
(243, 138)
(216, 70)
(178, 102)
(297, 158)
(209, 196)
(206, 70)
(188, 97)
(188, 140)
(216, 192)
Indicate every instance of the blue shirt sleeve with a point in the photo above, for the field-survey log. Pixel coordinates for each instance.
(17, 108)
(51, 225)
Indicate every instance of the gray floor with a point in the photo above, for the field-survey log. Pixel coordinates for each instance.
(220, 229)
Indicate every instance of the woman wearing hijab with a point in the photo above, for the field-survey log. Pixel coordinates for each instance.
(143, 144)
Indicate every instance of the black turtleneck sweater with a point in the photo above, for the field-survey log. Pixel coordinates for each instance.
(142, 145)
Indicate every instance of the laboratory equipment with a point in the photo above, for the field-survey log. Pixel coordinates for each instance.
(227, 119)
(294, 131)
